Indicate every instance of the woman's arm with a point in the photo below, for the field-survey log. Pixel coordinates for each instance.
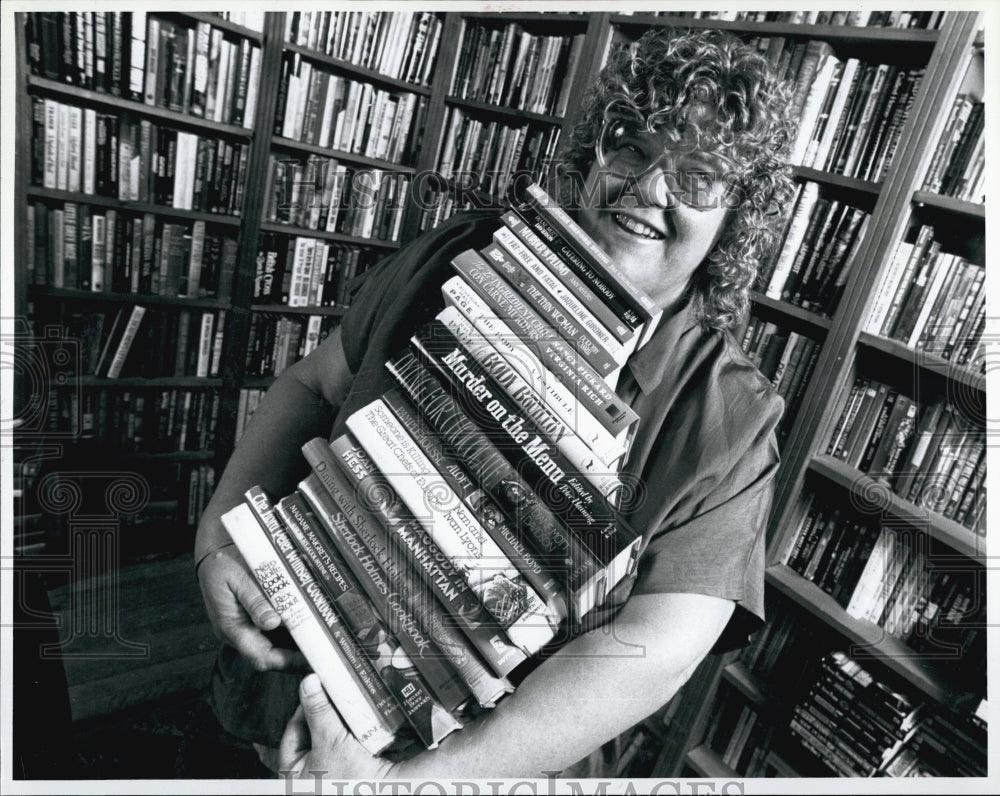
(297, 407)
(593, 689)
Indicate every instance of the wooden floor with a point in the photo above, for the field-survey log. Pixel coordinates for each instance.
(132, 638)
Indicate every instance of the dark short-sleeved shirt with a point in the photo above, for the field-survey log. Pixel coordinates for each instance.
(703, 451)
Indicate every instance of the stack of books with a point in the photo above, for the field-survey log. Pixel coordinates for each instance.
(852, 721)
(468, 519)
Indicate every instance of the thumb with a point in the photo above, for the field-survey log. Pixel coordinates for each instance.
(255, 602)
(323, 721)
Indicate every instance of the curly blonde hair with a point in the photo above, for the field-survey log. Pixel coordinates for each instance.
(717, 93)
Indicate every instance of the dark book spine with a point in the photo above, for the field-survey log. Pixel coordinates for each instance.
(371, 634)
(527, 286)
(582, 507)
(559, 550)
(395, 592)
(372, 687)
(558, 357)
(639, 306)
(465, 486)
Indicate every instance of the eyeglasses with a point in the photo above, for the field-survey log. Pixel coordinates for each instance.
(700, 180)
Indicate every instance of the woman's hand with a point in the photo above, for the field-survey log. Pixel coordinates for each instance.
(316, 740)
(239, 611)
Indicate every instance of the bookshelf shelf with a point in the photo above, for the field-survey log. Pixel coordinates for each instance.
(708, 764)
(169, 456)
(54, 195)
(43, 85)
(332, 312)
(818, 323)
(948, 204)
(368, 75)
(71, 294)
(218, 22)
(534, 19)
(924, 360)
(959, 538)
(348, 157)
(503, 113)
(736, 674)
(134, 382)
(258, 382)
(837, 180)
(338, 237)
(869, 641)
(918, 40)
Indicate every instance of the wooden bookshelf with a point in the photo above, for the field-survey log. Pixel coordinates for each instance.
(513, 115)
(219, 219)
(336, 237)
(362, 73)
(817, 323)
(291, 145)
(91, 296)
(708, 764)
(922, 360)
(948, 204)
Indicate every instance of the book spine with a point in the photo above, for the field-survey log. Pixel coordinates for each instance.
(301, 618)
(557, 396)
(557, 432)
(430, 721)
(642, 307)
(558, 357)
(399, 598)
(485, 509)
(373, 689)
(125, 345)
(561, 552)
(458, 534)
(586, 297)
(550, 311)
(585, 510)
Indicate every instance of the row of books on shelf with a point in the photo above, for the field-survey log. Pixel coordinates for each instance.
(519, 541)
(121, 157)
(932, 300)
(307, 272)
(885, 19)
(189, 67)
(851, 111)
(493, 152)
(837, 717)
(400, 44)
(787, 359)
(74, 246)
(317, 106)
(118, 342)
(509, 66)
(140, 421)
(889, 576)
(277, 341)
(930, 454)
(324, 194)
(814, 262)
(249, 399)
(957, 167)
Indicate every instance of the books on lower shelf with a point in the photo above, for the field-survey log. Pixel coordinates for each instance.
(944, 745)
(141, 420)
(401, 45)
(957, 167)
(931, 300)
(78, 246)
(931, 454)
(186, 66)
(891, 575)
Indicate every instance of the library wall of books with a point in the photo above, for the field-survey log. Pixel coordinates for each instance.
(198, 199)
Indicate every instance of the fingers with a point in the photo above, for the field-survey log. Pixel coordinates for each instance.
(324, 723)
(258, 649)
(253, 600)
(295, 741)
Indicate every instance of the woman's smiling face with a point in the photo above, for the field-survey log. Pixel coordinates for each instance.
(657, 220)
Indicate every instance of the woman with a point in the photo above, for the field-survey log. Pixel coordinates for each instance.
(677, 170)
